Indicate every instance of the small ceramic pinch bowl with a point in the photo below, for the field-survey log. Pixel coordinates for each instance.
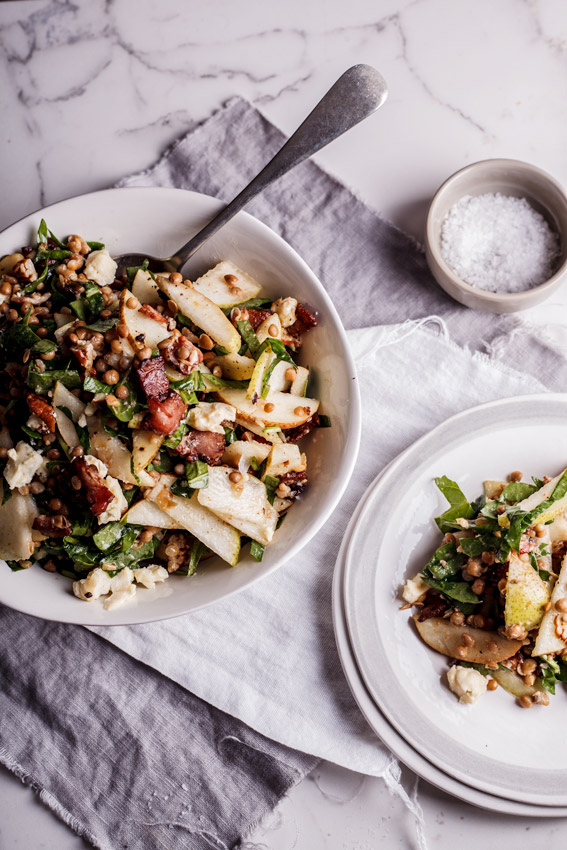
(508, 177)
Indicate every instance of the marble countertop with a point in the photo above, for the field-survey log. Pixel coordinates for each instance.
(93, 91)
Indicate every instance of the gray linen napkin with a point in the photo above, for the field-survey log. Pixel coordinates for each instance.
(125, 756)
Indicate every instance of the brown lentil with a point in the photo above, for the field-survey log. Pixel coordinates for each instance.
(273, 330)
(467, 639)
(122, 330)
(175, 277)
(144, 353)
(53, 454)
(36, 487)
(172, 307)
(132, 303)
(55, 504)
(290, 375)
(116, 346)
(206, 342)
(541, 698)
(478, 586)
(111, 400)
(492, 684)
(462, 651)
(121, 392)
(561, 606)
(76, 482)
(515, 476)
(268, 407)
(111, 377)
(146, 535)
(525, 702)
(78, 451)
(457, 618)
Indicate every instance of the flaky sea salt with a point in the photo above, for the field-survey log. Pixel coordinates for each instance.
(498, 243)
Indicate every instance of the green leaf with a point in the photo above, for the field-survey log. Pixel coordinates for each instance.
(83, 554)
(324, 421)
(174, 439)
(272, 484)
(459, 591)
(516, 491)
(94, 298)
(247, 333)
(475, 546)
(553, 671)
(197, 475)
(17, 339)
(191, 383)
(212, 381)
(80, 309)
(96, 246)
(103, 325)
(15, 566)
(460, 506)
(162, 462)
(230, 436)
(43, 381)
(43, 346)
(446, 561)
(132, 271)
(44, 233)
(109, 535)
(257, 550)
(93, 385)
(198, 549)
(34, 435)
(7, 495)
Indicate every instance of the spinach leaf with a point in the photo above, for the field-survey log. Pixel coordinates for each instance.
(553, 671)
(197, 474)
(93, 385)
(516, 491)
(103, 325)
(460, 506)
(272, 484)
(174, 439)
(446, 561)
(15, 566)
(80, 309)
(94, 297)
(198, 549)
(83, 554)
(230, 436)
(210, 382)
(109, 535)
(132, 271)
(248, 335)
(162, 462)
(96, 246)
(458, 591)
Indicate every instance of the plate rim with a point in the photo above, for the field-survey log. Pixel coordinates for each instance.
(352, 619)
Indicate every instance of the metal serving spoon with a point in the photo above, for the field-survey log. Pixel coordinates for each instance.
(358, 93)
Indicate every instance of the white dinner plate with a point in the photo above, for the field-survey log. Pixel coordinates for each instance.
(386, 732)
(158, 220)
(492, 746)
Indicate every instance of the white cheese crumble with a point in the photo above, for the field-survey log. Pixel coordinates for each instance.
(82, 421)
(96, 584)
(414, 588)
(150, 576)
(119, 597)
(23, 463)
(100, 268)
(122, 580)
(94, 461)
(207, 416)
(117, 506)
(285, 308)
(466, 683)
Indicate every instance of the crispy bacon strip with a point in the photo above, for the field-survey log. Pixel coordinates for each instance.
(42, 409)
(152, 378)
(202, 445)
(97, 494)
(296, 481)
(46, 525)
(256, 317)
(295, 434)
(166, 414)
(152, 313)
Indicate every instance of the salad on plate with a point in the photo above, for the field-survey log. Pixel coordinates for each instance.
(147, 422)
(493, 595)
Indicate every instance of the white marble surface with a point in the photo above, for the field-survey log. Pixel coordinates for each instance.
(94, 89)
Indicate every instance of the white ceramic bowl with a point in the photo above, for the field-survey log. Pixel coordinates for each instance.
(159, 221)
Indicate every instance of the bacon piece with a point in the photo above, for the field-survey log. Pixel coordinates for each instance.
(46, 525)
(42, 409)
(152, 313)
(435, 606)
(152, 378)
(304, 321)
(256, 317)
(97, 493)
(177, 345)
(202, 445)
(166, 414)
(295, 434)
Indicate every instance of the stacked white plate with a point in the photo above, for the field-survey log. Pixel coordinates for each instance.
(492, 754)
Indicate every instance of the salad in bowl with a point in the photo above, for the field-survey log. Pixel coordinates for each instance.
(493, 595)
(148, 422)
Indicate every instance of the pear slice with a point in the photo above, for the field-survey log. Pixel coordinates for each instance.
(115, 455)
(242, 452)
(265, 330)
(142, 329)
(147, 513)
(244, 505)
(145, 446)
(487, 647)
(552, 635)
(62, 397)
(145, 289)
(493, 489)
(254, 391)
(16, 519)
(526, 594)
(202, 312)
(272, 437)
(287, 410)
(285, 457)
(542, 495)
(235, 367)
(227, 293)
(299, 385)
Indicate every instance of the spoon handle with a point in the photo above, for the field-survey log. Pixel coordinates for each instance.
(358, 93)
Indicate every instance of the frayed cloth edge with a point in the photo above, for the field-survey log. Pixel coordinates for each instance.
(49, 800)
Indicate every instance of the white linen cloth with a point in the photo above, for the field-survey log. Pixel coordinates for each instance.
(268, 654)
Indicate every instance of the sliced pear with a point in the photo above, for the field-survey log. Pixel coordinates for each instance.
(278, 381)
(223, 292)
(487, 647)
(299, 386)
(220, 537)
(141, 328)
(514, 683)
(202, 312)
(288, 411)
(115, 455)
(259, 430)
(285, 457)
(264, 330)
(254, 391)
(244, 505)
(558, 528)
(62, 397)
(16, 518)
(552, 634)
(147, 513)
(242, 452)
(542, 495)
(526, 594)
(236, 367)
(146, 445)
(145, 289)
